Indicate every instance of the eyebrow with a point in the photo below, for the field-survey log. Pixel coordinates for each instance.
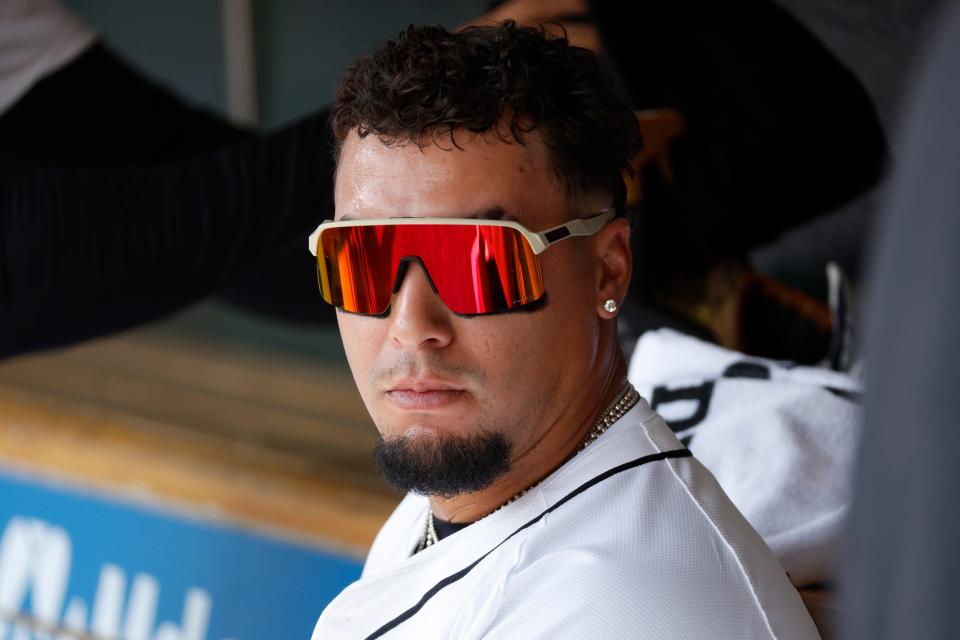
(490, 213)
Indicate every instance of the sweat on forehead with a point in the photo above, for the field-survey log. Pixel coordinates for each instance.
(482, 178)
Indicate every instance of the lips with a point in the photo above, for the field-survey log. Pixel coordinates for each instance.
(424, 394)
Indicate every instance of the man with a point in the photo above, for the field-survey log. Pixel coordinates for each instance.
(477, 263)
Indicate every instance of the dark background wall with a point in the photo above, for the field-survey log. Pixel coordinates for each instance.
(301, 45)
(178, 42)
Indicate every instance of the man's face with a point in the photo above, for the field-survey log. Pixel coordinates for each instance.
(429, 376)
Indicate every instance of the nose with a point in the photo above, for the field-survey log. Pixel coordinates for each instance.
(419, 318)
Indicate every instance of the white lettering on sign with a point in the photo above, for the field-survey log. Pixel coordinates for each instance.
(35, 560)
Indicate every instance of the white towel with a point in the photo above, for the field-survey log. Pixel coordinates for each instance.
(779, 438)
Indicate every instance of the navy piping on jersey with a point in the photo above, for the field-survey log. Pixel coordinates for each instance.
(609, 473)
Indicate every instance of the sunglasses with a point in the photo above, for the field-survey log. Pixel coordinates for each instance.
(475, 266)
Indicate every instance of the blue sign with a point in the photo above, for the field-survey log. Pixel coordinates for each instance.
(78, 565)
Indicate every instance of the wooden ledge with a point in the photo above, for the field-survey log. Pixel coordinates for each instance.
(248, 438)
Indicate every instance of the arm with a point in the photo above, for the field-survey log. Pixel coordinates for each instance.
(86, 252)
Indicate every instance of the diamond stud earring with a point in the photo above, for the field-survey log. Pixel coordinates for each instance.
(610, 306)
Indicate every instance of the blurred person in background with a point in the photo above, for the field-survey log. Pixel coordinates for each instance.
(478, 262)
(755, 127)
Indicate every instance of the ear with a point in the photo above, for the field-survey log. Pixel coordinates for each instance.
(614, 265)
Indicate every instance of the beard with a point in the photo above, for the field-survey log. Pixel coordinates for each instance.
(445, 467)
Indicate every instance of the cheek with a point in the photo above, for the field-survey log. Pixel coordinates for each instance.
(360, 339)
(517, 350)
(572, 317)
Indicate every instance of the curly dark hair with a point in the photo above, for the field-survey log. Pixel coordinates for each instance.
(428, 83)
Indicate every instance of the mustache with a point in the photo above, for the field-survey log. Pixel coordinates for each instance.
(427, 365)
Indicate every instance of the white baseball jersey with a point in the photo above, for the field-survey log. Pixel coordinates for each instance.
(632, 538)
(780, 439)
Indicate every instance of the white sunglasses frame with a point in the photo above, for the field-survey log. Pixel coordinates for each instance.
(539, 241)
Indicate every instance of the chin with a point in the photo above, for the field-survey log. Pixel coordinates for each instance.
(445, 466)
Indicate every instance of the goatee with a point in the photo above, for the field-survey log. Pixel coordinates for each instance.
(446, 466)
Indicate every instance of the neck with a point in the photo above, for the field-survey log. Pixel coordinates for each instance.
(558, 445)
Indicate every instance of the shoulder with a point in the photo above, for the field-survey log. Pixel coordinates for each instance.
(656, 550)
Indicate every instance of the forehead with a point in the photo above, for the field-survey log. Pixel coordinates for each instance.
(479, 174)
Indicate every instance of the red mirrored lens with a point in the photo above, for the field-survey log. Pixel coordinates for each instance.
(474, 268)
